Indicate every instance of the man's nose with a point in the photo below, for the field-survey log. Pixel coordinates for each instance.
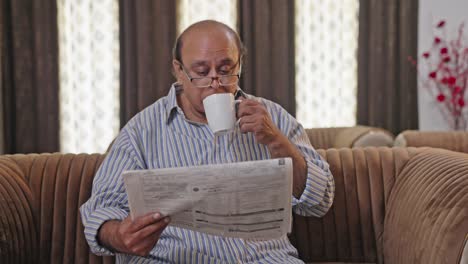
(214, 82)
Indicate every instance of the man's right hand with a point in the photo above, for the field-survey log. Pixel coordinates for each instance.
(137, 237)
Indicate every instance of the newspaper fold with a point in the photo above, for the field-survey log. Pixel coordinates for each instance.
(250, 200)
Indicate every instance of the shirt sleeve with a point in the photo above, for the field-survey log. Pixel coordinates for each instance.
(319, 189)
(318, 194)
(108, 199)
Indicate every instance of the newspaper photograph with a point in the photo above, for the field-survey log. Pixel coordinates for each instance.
(250, 200)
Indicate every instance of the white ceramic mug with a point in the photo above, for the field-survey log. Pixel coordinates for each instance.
(220, 110)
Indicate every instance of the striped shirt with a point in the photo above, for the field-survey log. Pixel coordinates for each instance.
(161, 137)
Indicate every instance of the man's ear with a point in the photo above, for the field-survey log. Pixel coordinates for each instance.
(176, 70)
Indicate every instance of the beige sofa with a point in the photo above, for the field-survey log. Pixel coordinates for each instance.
(400, 205)
(451, 140)
(349, 137)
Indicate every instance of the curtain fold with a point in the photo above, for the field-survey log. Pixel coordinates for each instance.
(147, 33)
(387, 82)
(29, 79)
(267, 30)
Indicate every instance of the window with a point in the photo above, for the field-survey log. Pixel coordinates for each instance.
(326, 62)
(89, 74)
(326, 65)
(191, 11)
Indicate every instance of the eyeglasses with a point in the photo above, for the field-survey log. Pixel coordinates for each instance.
(204, 82)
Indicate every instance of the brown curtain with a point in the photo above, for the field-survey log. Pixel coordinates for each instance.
(29, 80)
(147, 33)
(387, 84)
(267, 30)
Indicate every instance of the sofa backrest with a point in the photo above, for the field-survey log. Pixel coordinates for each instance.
(49, 191)
(390, 203)
(353, 228)
(18, 232)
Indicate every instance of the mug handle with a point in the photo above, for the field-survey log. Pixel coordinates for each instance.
(236, 107)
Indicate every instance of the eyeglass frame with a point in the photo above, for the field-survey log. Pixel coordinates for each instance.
(190, 78)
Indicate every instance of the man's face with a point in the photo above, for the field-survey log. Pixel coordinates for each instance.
(207, 54)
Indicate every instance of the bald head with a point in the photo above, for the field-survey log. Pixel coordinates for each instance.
(206, 28)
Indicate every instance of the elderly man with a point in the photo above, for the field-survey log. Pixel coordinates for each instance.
(173, 132)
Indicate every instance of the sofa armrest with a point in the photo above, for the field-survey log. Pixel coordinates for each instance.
(451, 140)
(427, 212)
(348, 137)
(363, 136)
(323, 137)
(18, 236)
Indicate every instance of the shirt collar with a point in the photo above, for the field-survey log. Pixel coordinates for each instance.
(172, 100)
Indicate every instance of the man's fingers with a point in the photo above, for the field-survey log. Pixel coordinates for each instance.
(153, 228)
(246, 120)
(247, 127)
(145, 220)
(249, 102)
(247, 107)
(146, 245)
(144, 240)
(143, 227)
(245, 111)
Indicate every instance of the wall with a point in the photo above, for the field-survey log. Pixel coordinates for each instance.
(430, 12)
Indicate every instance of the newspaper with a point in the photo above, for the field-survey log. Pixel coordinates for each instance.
(250, 200)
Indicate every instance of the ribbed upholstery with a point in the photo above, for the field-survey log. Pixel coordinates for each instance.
(58, 184)
(18, 233)
(392, 205)
(451, 140)
(352, 230)
(427, 218)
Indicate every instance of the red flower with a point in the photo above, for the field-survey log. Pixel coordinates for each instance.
(441, 24)
(444, 70)
(451, 80)
(461, 102)
(440, 97)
